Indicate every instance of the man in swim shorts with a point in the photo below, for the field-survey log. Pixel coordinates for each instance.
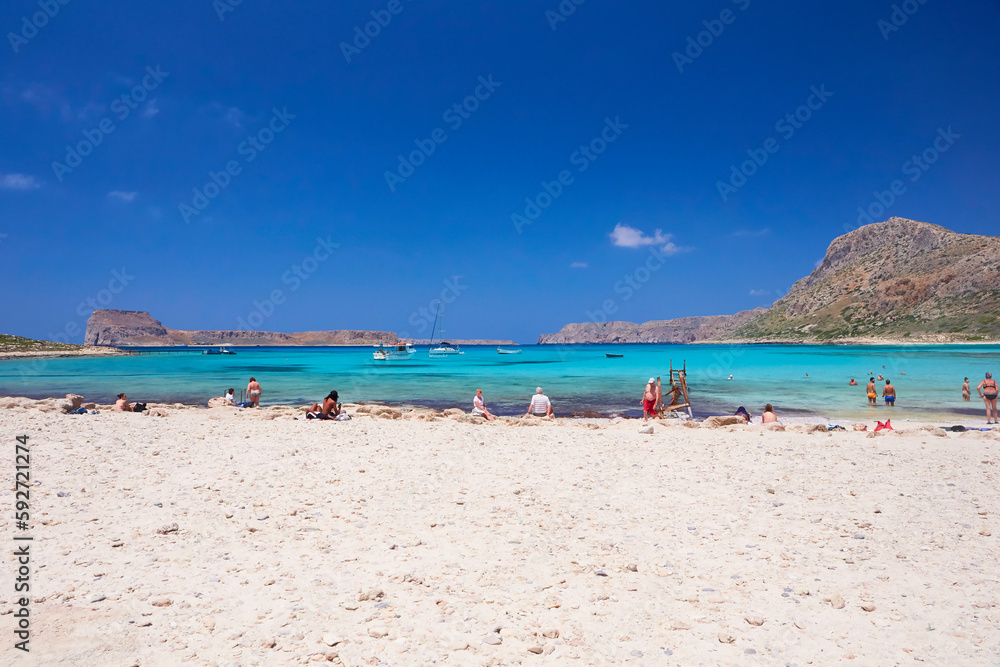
(649, 399)
(889, 394)
(872, 394)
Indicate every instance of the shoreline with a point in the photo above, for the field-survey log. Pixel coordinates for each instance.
(407, 410)
(86, 351)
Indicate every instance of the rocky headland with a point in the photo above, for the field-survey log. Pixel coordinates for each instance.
(896, 281)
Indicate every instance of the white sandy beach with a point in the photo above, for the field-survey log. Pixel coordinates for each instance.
(423, 539)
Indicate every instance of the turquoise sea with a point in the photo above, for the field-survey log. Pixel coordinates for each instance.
(578, 378)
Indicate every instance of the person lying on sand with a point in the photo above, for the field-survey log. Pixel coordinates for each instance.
(329, 410)
(122, 405)
(479, 406)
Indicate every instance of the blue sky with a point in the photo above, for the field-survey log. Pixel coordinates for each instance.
(613, 121)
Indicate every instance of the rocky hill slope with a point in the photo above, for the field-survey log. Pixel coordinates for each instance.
(137, 328)
(899, 280)
(681, 330)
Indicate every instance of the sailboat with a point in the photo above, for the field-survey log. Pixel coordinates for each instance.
(444, 348)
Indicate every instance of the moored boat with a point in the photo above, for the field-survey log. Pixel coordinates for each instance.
(393, 352)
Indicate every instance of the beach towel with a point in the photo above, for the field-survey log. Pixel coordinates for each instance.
(886, 426)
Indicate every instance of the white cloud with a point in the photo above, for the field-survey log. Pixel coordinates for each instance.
(630, 237)
(19, 182)
(151, 109)
(578, 265)
(235, 117)
(122, 196)
(759, 292)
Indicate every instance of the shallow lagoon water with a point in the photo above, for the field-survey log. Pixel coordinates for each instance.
(578, 378)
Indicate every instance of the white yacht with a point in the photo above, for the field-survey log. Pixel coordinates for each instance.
(444, 348)
(393, 352)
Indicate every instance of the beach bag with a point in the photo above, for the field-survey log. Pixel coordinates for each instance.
(244, 404)
(342, 417)
(139, 407)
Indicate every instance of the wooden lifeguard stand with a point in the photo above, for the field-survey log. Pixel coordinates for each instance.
(678, 391)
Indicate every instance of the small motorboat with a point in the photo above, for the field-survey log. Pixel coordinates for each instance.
(211, 351)
(500, 350)
(223, 350)
(613, 356)
(393, 352)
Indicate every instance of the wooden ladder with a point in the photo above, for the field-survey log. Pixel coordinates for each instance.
(678, 391)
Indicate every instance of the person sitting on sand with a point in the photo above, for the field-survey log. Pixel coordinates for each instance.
(329, 410)
(540, 405)
(966, 392)
(769, 417)
(253, 392)
(987, 390)
(889, 394)
(122, 405)
(853, 383)
(872, 392)
(649, 399)
(230, 397)
(479, 406)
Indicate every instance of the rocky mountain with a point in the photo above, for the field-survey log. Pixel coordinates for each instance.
(899, 280)
(681, 330)
(117, 328)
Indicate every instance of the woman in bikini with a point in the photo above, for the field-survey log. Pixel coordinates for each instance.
(988, 392)
(253, 392)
